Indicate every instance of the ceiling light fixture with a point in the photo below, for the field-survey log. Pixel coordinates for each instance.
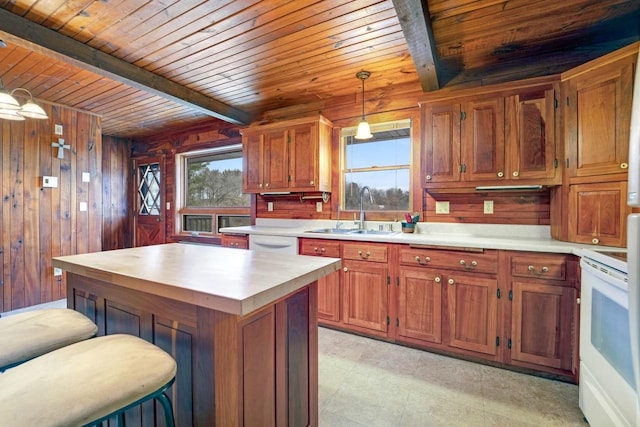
(364, 131)
(10, 108)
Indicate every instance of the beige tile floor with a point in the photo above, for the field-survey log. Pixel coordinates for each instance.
(364, 382)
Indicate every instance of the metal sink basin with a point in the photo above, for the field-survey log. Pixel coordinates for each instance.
(332, 230)
(349, 231)
(379, 232)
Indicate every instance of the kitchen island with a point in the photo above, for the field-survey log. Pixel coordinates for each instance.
(241, 325)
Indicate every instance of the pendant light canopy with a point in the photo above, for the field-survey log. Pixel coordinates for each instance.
(10, 108)
(364, 131)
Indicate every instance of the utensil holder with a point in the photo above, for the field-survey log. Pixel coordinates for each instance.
(408, 227)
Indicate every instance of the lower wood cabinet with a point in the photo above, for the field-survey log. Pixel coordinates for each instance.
(420, 301)
(472, 308)
(543, 306)
(329, 290)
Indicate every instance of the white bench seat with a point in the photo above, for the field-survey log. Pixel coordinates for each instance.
(30, 334)
(85, 382)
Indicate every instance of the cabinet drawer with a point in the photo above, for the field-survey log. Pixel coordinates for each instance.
(364, 252)
(482, 262)
(320, 247)
(540, 267)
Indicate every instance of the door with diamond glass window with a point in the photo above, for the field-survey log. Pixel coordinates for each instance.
(150, 229)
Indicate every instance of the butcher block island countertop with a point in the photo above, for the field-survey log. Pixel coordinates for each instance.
(242, 326)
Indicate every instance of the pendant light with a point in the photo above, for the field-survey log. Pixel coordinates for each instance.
(10, 109)
(364, 131)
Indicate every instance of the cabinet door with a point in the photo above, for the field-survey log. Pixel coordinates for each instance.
(530, 133)
(276, 162)
(235, 241)
(252, 163)
(597, 213)
(482, 140)
(473, 313)
(329, 297)
(598, 119)
(365, 294)
(441, 143)
(303, 157)
(420, 305)
(541, 323)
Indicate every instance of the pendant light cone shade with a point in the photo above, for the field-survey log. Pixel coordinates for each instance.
(33, 111)
(10, 115)
(8, 102)
(364, 131)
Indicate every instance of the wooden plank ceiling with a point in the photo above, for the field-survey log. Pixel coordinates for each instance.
(149, 65)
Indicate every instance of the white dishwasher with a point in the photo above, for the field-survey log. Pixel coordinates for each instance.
(268, 243)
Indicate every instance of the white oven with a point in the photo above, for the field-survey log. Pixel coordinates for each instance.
(607, 384)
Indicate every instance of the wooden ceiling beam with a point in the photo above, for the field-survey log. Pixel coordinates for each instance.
(416, 26)
(24, 33)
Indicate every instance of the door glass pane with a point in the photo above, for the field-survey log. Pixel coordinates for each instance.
(149, 189)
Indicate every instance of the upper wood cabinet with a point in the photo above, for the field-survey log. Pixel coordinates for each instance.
(463, 142)
(598, 114)
(292, 156)
(500, 136)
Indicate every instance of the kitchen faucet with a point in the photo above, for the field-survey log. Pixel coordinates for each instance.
(361, 222)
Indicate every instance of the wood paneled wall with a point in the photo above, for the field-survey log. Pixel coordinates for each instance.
(38, 223)
(522, 208)
(117, 177)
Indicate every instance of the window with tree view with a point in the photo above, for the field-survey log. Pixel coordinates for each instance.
(212, 188)
(382, 163)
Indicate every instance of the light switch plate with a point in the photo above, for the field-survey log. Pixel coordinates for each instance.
(488, 206)
(442, 207)
(270, 206)
(318, 206)
(50, 181)
(57, 271)
(86, 177)
(83, 206)
(57, 129)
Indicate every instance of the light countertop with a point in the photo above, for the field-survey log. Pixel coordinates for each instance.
(234, 281)
(485, 236)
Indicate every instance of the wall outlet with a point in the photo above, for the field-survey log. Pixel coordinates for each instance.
(318, 206)
(83, 206)
(442, 207)
(488, 206)
(57, 271)
(270, 206)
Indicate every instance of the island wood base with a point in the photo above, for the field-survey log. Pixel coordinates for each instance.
(255, 370)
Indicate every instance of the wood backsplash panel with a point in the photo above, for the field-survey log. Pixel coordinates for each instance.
(292, 207)
(531, 208)
(39, 223)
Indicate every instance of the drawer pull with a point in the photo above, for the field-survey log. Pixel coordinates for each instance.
(542, 271)
(428, 177)
(500, 174)
(595, 240)
(345, 269)
(451, 281)
(367, 255)
(467, 266)
(426, 260)
(437, 280)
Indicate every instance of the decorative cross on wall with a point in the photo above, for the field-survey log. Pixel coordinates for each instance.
(61, 146)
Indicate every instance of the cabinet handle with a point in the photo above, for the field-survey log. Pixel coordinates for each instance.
(345, 269)
(542, 271)
(437, 280)
(426, 260)
(267, 184)
(595, 240)
(428, 177)
(310, 182)
(368, 254)
(469, 267)
(624, 165)
(515, 173)
(260, 185)
(322, 250)
(451, 281)
(500, 174)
